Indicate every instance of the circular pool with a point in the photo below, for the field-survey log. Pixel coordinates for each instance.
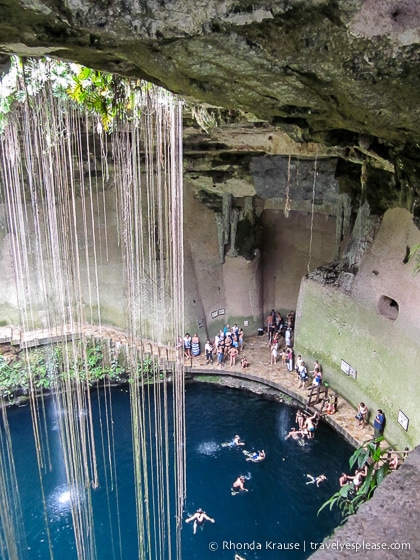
(278, 512)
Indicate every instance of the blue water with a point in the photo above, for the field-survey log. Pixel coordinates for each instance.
(279, 510)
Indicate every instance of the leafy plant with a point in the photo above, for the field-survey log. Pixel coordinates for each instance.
(348, 499)
(415, 255)
(100, 93)
(108, 96)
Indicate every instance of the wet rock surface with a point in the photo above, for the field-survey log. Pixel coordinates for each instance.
(343, 74)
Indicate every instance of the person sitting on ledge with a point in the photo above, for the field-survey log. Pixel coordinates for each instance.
(330, 407)
(244, 362)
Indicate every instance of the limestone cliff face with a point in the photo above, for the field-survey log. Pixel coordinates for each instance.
(341, 74)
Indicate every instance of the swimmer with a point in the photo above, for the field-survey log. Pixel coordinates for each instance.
(344, 479)
(199, 517)
(295, 434)
(238, 485)
(255, 456)
(316, 479)
(235, 442)
(358, 477)
(244, 363)
(310, 426)
(299, 418)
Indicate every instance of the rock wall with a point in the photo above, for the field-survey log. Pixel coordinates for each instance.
(373, 325)
(242, 290)
(385, 527)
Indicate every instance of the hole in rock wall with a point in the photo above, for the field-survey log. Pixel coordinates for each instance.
(388, 307)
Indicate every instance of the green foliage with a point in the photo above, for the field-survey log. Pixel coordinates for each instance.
(27, 77)
(108, 96)
(415, 255)
(348, 499)
(13, 377)
(103, 94)
(52, 366)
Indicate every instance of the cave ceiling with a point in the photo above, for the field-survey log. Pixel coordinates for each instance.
(304, 79)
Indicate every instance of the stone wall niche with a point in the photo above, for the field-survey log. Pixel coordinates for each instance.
(388, 307)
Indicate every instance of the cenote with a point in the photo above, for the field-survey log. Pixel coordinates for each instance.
(279, 506)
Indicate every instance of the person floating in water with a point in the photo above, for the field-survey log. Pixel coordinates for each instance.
(234, 443)
(199, 517)
(316, 479)
(254, 456)
(239, 485)
(296, 434)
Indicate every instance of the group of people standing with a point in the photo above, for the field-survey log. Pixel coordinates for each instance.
(227, 345)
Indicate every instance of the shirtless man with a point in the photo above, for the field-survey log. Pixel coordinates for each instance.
(238, 485)
(344, 479)
(310, 426)
(270, 326)
(199, 517)
(295, 434)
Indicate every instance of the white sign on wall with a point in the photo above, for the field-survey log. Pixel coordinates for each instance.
(348, 370)
(403, 420)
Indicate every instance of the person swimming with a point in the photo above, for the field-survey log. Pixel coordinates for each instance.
(239, 485)
(255, 456)
(199, 517)
(234, 443)
(316, 479)
(296, 434)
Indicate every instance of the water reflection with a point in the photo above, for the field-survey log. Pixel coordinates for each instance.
(62, 500)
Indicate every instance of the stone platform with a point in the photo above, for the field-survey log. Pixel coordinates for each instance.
(257, 352)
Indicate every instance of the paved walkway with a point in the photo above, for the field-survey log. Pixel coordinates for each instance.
(256, 349)
(257, 352)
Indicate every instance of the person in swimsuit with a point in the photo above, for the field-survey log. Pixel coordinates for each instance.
(360, 474)
(296, 434)
(310, 426)
(344, 479)
(255, 456)
(238, 485)
(316, 479)
(199, 517)
(237, 441)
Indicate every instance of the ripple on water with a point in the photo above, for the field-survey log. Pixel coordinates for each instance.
(208, 448)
